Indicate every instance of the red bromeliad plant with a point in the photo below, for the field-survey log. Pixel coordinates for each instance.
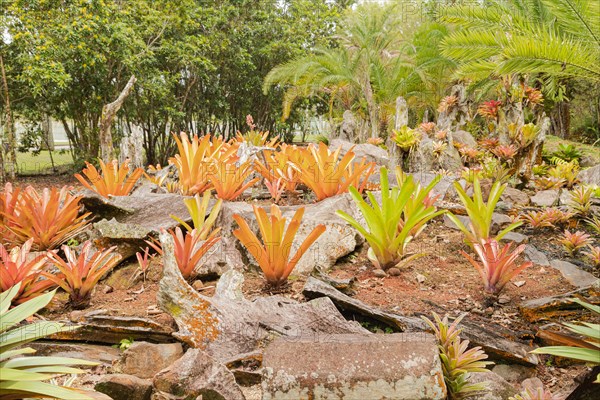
(505, 151)
(50, 218)
(273, 253)
(498, 265)
(79, 274)
(20, 267)
(327, 175)
(115, 179)
(489, 109)
(189, 249)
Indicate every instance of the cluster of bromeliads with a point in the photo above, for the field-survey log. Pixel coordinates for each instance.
(34, 225)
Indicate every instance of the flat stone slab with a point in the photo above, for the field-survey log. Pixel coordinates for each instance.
(573, 274)
(352, 367)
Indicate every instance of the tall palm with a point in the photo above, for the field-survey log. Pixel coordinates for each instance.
(557, 38)
(375, 63)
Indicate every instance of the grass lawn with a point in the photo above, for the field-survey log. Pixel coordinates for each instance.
(552, 142)
(30, 164)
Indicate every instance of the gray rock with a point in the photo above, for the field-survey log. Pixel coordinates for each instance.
(145, 359)
(515, 197)
(368, 151)
(545, 198)
(513, 373)
(576, 277)
(379, 273)
(465, 138)
(497, 387)
(197, 374)
(125, 387)
(102, 354)
(535, 256)
(126, 221)
(590, 176)
(500, 220)
(227, 324)
(462, 218)
(517, 238)
(397, 366)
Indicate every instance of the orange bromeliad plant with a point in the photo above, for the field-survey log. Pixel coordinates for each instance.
(189, 249)
(115, 179)
(8, 203)
(327, 176)
(79, 274)
(196, 158)
(228, 179)
(20, 267)
(49, 219)
(273, 253)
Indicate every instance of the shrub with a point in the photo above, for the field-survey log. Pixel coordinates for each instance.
(391, 225)
(273, 253)
(115, 179)
(327, 175)
(50, 219)
(198, 209)
(19, 267)
(457, 362)
(586, 349)
(23, 377)
(79, 274)
(498, 265)
(480, 213)
(189, 249)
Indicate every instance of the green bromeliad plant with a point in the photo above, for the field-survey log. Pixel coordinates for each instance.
(391, 223)
(585, 349)
(23, 377)
(480, 213)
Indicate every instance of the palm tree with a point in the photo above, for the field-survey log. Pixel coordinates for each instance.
(377, 59)
(556, 38)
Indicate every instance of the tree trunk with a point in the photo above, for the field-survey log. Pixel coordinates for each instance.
(48, 139)
(561, 120)
(109, 111)
(9, 142)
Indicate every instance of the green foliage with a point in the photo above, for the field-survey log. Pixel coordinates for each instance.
(390, 223)
(567, 152)
(23, 377)
(480, 212)
(586, 349)
(559, 38)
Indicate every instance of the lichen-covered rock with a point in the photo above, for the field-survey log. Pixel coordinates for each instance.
(197, 374)
(497, 387)
(397, 366)
(465, 138)
(227, 324)
(590, 176)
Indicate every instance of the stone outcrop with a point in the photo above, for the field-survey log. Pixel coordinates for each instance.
(369, 152)
(144, 359)
(125, 387)
(397, 366)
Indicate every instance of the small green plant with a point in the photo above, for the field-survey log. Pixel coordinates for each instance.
(586, 349)
(198, 210)
(124, 344)
(406, 138)
(565, 171)
(23, 377)
(391, 223)
(593, 254)
(567, 152)
(580, 201)
(538, 393)
(457, 362)
(480, 213)
(594, 223)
